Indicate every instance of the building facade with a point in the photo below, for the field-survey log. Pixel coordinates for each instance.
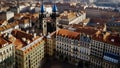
(96, 49)
(67, 48)
(7, 54)
(29, 50)
(85, 47)
(72, 17)
(50, 44)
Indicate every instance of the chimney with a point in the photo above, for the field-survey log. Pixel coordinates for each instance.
(5, 35)
(9, 35)
(44, 34)
(28, 41)
(106, 35)
(34, 35)
(27, 31)
(24, 39)
(48, 33)
(105, 27)
(97, 33)
(41, 34)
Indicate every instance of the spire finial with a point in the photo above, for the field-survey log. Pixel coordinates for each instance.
(54, 8)
(42, 10)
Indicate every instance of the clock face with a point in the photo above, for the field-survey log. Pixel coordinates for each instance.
(45, 25)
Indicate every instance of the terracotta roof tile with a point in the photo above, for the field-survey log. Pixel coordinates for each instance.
(113, 39)
(18, 44)
(110, 38)
(20, 34)
(67, 33)
(86, 29)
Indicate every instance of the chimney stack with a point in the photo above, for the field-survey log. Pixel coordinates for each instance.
(34, 35)
(27, 31)
(28, 41)
(106, 35)
(24, 39)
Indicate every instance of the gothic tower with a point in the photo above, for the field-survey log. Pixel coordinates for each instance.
(54, 16)
(42, 22)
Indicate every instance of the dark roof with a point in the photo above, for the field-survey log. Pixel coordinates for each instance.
(54, 8)
(42, 9)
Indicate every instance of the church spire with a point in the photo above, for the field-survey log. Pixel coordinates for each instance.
(42, 9)
(54, 16)
(54, 8)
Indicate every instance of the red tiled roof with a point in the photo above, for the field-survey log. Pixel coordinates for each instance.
(67, 33)
(21, 34)
(86, 29)
(113, 39)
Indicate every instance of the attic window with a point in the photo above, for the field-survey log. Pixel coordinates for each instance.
(112, 40)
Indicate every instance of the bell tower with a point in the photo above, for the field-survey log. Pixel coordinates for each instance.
(42, 21)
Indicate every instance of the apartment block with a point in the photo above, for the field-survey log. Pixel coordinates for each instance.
(7, 54)
(72, 17)
(85, 44)
(67, 48)
(29, 49)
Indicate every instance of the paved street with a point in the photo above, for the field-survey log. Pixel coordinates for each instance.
(57, 64)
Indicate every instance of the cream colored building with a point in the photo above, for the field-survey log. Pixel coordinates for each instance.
(29, 50)
(67, 48)
(72, 17)
(6, 54)
(96, 48)
(50, 44)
